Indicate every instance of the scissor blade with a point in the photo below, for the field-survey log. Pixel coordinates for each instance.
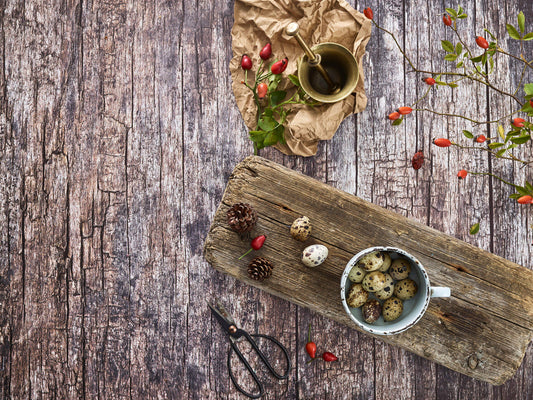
(221, 315)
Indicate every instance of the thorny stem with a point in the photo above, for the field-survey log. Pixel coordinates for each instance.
(511, 157)
(494, 176)
(521, 59)
(415, 69)
(466, 118)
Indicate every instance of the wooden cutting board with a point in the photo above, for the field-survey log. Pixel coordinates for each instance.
(482, 331)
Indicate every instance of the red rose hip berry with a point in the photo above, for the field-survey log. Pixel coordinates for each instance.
(442, 142)
(266, 52)
(447, 20)
(480, 139)
(462, 174)
(417, 160)
(368, 13)
(279, 66)
(482, 42)
(405, 110)
(518, 122)
(525, 200)
(394, 116)
(429, 81)
(262, 90)
(246, 62)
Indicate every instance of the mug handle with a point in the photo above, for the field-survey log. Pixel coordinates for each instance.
(437, 291)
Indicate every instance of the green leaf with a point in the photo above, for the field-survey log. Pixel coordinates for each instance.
(521, 139)
(500, 152)
(528, 36)
(513, 32)
(459, 65)
(256, 134)
(447, 46)
(529, 187)
(495, 145)
(527, 107)
(501, 131)
(490, 33)
(515, 196)
(453, 85)
(460, 10)
(273, 82)
(462, 16)
(277, 97)
(491, 63)
(458, 48)
(521, 21)
(294, 79)
(450, 57)
(397, 122)
(441, 83)
(528, 88)
(521, 190)
(484, 58)
(476, 59)
(267, 123)
(468, 134)
(452, 12)
(270, 139)
(474, 228)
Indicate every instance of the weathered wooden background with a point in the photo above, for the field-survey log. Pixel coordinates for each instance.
(118, 131)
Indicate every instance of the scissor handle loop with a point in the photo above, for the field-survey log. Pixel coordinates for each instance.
(252, 342)
(250, 370)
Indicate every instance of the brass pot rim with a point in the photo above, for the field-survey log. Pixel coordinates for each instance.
(347, 89)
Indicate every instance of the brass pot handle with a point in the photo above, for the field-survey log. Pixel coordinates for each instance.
(293, 29)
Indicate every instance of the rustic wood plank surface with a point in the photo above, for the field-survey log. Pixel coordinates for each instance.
(483, 330)
(118, 133)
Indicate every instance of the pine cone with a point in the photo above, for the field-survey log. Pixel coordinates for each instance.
(260, 269)
(242, 217)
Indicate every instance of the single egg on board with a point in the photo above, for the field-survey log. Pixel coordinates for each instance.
(314, 255)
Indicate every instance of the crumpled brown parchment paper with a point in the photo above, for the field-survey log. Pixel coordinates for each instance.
(258, 22)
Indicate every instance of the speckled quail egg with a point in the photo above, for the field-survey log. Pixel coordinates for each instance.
(392, 309)
(386, 262)
(356, 274)
(400, 269)
(374, 281)
(301, 229)
(357, 296)
(387, 290)
(371, 261)
(314, 255)
(405, 289)
(371, 311)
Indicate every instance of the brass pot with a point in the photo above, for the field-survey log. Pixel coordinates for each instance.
(341, 67)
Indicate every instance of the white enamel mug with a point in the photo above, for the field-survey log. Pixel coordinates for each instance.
(413, 309)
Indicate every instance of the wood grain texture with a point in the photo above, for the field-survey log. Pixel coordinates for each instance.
(118, 133)
(488, 321)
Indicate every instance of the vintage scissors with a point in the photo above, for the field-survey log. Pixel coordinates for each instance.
(235, 334)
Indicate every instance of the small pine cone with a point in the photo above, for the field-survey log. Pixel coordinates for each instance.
(260, 269)
(241, 217)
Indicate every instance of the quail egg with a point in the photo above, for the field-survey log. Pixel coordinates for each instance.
(405, 289)
(314, 255)
(392, 309)
(387, 290)
(301, 229)
(386, 262)
(371, 311)
(374, 281)
(400, 269)
(372, 261)
(357, 296)
(356, 274)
